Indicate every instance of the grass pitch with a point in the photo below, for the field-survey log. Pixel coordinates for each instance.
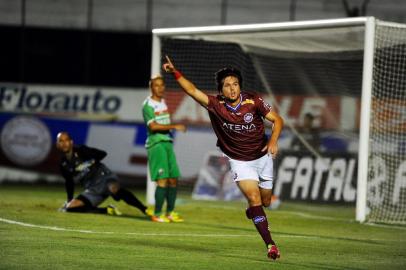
(215, 235)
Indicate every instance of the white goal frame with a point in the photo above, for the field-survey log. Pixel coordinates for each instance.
(368, 22)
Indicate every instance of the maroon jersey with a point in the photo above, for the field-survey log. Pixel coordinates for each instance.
(240, 130)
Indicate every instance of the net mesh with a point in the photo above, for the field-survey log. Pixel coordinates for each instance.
(298, 69)
(386, 193)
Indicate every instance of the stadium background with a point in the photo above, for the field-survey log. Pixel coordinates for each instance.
(83, 66)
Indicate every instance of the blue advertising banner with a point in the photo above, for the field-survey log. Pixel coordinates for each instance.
(27, 142)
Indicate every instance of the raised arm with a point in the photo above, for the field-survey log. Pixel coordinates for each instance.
(186, 85)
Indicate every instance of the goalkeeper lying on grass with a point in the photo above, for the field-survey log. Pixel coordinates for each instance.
(83, 164)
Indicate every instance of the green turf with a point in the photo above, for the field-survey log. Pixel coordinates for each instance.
(216, 235)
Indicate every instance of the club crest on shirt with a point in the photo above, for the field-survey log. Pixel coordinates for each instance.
(248, 117)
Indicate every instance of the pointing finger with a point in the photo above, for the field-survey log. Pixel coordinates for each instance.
(168, 59)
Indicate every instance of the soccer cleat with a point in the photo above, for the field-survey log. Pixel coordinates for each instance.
(149, 212)
(161, 218)
(174, 217)
(63, 207)
(112, 210)
(273, 252)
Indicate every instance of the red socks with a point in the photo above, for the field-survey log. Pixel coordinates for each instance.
(258, 216)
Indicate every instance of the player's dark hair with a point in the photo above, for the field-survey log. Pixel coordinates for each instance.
(221, 74)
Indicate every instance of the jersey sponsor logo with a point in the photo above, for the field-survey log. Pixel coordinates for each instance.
(259, 219)
(248, 101)
(161, 112)
(248, 117)
(163, 119)
(239, 127)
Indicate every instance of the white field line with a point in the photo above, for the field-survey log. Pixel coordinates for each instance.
(386, 226)
(304, 215)
(53, 228)
(310, 216)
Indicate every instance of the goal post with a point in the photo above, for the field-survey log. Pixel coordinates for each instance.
(331, 65)
(366, 97)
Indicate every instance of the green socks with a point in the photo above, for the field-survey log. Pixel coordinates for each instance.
(160, 195)
(171, 198)
(168, 193)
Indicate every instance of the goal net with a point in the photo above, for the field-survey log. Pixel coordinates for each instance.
(386, 186)
(316, 75)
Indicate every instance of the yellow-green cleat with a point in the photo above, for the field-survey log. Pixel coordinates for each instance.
(174, 217)
(112, 210)
(149, 212)
(161, 218)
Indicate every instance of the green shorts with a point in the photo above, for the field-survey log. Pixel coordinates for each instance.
(162, 161)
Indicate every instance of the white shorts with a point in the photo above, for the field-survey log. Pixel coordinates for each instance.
(260, 169)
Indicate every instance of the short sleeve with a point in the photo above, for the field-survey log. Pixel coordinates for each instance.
(262, 106)
(148, 113)
(212, 101)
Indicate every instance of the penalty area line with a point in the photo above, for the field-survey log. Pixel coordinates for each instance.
(54, 228)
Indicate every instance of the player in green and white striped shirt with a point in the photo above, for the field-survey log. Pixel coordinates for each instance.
(161, 156)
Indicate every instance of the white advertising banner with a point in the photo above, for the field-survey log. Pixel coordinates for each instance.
(93, 103)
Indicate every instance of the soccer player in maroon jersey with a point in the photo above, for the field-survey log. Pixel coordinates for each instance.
(237, 119)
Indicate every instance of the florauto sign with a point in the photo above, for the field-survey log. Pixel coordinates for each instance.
(70, 101)
(23, 100)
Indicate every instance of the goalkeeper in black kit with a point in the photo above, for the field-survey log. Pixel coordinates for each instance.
(83, 164)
